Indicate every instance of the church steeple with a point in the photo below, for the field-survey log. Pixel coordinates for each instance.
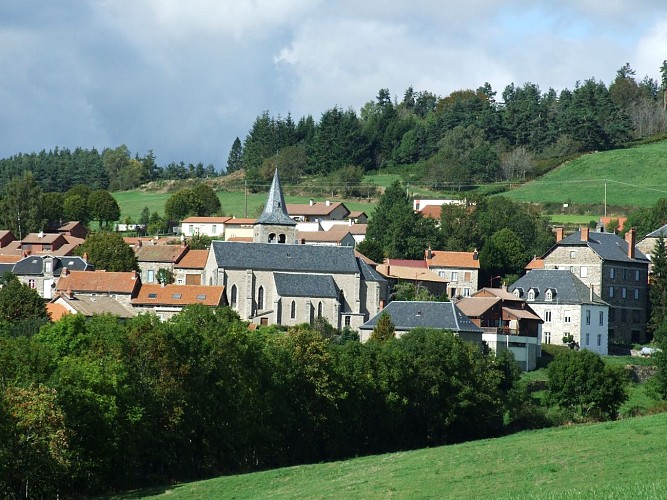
(275, 211)
(275, 225)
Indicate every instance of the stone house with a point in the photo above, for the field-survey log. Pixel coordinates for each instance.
(88, 305)
(508, 322)
(152, 258)
(317, 211)
(122, 286)
(615, 269)
(189, 270)
(416, 314)
(647, 244)
(568, 308)
(460, 269)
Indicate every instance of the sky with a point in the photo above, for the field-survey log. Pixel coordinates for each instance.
(185, 78)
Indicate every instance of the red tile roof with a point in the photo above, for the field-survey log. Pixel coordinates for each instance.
(406, 263)
(432, 211)
(160, 253)
(179, 295)
(459, 260)
(99, 282)
(194, 259)
(206, 220)
(317, 208)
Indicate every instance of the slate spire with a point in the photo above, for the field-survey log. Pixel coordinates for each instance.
(275, 210)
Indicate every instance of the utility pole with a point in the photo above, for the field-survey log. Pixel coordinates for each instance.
(605, 198)
(245, 191)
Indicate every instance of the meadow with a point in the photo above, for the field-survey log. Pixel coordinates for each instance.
(619, 459)
(634, 177)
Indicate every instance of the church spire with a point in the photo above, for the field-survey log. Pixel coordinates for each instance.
(275, 211)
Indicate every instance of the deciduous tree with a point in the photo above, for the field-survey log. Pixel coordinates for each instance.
(108, 251)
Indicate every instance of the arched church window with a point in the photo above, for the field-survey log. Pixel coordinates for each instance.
(260, 298)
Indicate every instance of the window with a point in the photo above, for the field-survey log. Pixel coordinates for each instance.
(466, 292)
(233, 294)
(192, 230)
(531, 294)
(625, 274)
(214, 229)
(588, 317)
(588, 339)
(347, 320)
(31, 283)
(549, 295)
(201, 296)
(599, 339)
(568, 317)
(611, 292)
(637, 274)
(612, 272)
(546, 337)
(572, 269)
(152, 295)
(260, 298)
(624, 293)
(179, 281)
(466, 276)
(441, 274)
(48, 265)
(573, 254)
(583, 271)
(636, 293)
(455, 276)
(319, 310)
(601, 318)
(150, 276)
(292, 312)
(547, 316)
(176, 295)
(452, 292)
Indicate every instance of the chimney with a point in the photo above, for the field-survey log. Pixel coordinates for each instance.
(134, 275)
(429, 253)
(69, 293)
(139, 243)
(592, 287)
(328, 203)
(40, 235)
(311, 202)
(584, 233)
(475, 254)
(631, 239)
(85, 256)
(559, 234)
(65, 272)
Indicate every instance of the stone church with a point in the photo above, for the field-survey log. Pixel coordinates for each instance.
(274, 280)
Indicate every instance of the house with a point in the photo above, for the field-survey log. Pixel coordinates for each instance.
(419, 277)
(73, 228)
(88, 305)
(167, 300)
(239, 228)
(123, 286)
(606, 222)
(331, 238)
(44, 272)
(416, 314)
(49, 243)
(213, 227)
(647, 244)
(569, 309)
(615, 269)
(313, 210)
(460, 269)
(189, 270)
(508, 324)
(358, 217)
(274, 281)
(152, 258)
(418, 205)
(6, 238)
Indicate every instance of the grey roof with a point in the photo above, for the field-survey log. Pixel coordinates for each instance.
(99, 304)
(566, 287)
(608, 246)
(662, 231)
(275, 210)
(368, 273)
(34, 265)
(305, 285)
(441, 315)
(6, 268)
(284, 257)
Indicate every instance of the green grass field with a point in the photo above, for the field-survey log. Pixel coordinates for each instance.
(634, 177)
(623, 459)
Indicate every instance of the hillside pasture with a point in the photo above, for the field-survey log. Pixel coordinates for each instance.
(634, 177)
(605, 460)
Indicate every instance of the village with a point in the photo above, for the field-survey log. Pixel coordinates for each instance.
(297, 262)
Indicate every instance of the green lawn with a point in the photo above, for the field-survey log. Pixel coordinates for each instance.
(634, 177)
(621, 459)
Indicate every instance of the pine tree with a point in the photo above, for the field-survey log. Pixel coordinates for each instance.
(235, 159)
(658, 287)
(385, 329)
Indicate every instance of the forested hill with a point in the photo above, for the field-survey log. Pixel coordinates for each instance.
(467, 137)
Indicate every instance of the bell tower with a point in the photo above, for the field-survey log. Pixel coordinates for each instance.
(275, 225)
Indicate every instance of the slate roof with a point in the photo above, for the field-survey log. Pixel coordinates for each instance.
(566, 287)
(608, 246)
(305, 285)
(275, 210)
(662, 231)
(368, 273)
(442, 315)
(285, 257)
(90, 305)
(34, 265)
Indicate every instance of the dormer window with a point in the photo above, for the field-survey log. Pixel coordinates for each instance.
(549, 295)
(517, 293)
(531, 294)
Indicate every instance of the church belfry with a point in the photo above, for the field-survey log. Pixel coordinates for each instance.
(275, 225)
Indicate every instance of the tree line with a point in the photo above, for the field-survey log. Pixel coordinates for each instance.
(469, 136)
(113, 169)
